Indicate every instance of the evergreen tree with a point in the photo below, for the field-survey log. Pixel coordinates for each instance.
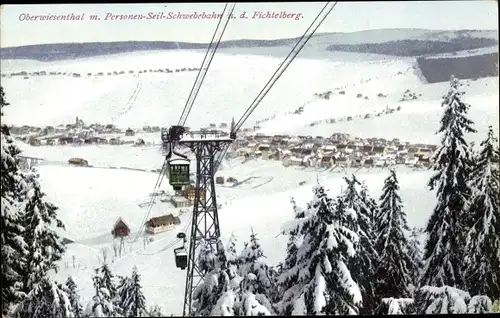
(131, 299)
(231, 253)
(415, 254)
(106, 280)
(483, 240)
(216, 294)
(480, 305)
(44, 246)
(395, 306)
(256, 285)
(324, 283)
(441, 300)
(46, 299)
(364, 264)
(370, 203)
(121, 289)
(155, 311)
(74, 298)
(283, 278)
(394, 274)
(101, 304)
(446, 229)
(12, 244)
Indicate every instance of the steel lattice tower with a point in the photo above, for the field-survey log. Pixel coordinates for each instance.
(205, 221)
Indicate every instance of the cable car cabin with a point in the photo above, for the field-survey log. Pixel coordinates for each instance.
(181, 257)
(178, 172)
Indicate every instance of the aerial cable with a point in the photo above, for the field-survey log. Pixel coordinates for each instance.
(161, 175)
(283, 66)
(212, 49)
(201, 67)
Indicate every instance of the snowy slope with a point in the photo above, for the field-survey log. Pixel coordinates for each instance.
(162, 96)
(238, 80)
(417, 121)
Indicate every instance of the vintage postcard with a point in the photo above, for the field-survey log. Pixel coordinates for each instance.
(221, 158)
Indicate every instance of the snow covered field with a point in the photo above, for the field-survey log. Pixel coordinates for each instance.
(91, 199)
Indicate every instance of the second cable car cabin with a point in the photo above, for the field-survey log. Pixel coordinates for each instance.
(178, 171)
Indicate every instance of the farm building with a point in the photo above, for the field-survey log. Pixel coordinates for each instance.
(219, 180)
(180, 202)
(129, 132)
(160, 224)
(120, 229)
(78, 162)
(190, 191)
(328, 160)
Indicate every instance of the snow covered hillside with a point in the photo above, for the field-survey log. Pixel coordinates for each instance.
(89, 212)
(158, 98)
(91, 199)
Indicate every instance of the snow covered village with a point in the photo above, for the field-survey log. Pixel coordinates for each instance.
(324, 160)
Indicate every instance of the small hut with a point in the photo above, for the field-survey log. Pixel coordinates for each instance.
(219, 180)
(120, 229)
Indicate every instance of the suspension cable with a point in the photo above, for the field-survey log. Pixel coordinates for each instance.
(277, 74)
(161, 175)
(288, 60)
(212, 49)
(172, 243)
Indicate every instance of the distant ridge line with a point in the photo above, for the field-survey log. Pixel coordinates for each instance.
(370, 41)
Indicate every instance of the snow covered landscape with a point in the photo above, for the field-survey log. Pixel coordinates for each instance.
(119, 179)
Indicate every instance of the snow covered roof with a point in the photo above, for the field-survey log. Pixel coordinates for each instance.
(120, 220)
(176, 159)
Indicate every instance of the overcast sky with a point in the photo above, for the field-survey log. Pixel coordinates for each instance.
(346, 17)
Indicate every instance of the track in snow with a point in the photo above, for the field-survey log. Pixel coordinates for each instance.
(131, 100)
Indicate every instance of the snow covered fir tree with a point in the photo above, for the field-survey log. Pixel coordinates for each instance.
(131, 300)
(329, 241)
(13, 245)
(257, 284)
(364, 264)
(44, 246)
(30, 247)
(482, 271)
(394, 266)
(74, 298)
(448, 225)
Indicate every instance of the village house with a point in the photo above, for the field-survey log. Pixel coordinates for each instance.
(262, 138)
(295, 161)
(129, 132)
(120, 229)
(189, 192)
(78, 162)
(180, 202)
(264, 150)
(327, 161)
(96, 140)
(219, 180)
(160, 224)
(35, 141)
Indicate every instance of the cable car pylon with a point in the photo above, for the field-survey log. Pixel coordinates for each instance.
(205, 219)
